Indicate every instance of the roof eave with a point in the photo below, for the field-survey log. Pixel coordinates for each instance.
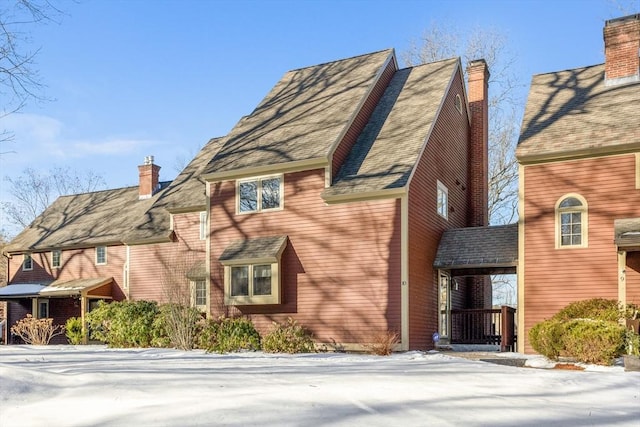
(387, 193)
(577, 154)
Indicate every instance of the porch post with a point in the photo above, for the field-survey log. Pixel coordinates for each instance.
(83, 309)
(622, 276)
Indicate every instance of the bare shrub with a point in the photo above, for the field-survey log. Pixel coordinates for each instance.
(36, 331)
(382, 343)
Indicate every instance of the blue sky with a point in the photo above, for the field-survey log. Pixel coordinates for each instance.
(140, 77)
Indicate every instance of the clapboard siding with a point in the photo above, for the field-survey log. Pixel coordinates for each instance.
(445, 158)
(557, 277)
(341, 267)
(156, 270)
(75, 264)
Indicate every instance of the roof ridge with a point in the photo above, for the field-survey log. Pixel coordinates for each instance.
(570, 69)
(390, 49)
(452, 58)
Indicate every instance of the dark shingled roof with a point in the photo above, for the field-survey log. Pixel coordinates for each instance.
(188, 190)
(388, 148)
(478, 247)
(117, 216)
(572, 112)
(265, 248)
(87, 219)
(303, 116)
(627, 233)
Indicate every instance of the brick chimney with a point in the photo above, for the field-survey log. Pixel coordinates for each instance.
(149, 174)
(478, 75)
(622, 50)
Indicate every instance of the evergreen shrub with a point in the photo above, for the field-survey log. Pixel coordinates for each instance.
(288, 338)
(228, 335)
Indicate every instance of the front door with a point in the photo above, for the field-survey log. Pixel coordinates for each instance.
(444, 304)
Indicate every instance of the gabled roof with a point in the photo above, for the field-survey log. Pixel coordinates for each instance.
(478, 248)
(117, 216)
(389, 147)
(188, 190)
(87, 219)
(302, 117)
(572, 113)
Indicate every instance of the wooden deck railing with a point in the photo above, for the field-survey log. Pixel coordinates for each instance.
(484, 326)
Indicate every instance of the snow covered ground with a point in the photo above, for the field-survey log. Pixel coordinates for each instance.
(95, 386)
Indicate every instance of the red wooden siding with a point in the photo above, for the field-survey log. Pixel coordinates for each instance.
(350, 137)
(557, 277)
(155, 269)
(444, 159)
(75, 264)
(341, 267)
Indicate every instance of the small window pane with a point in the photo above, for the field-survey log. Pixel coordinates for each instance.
(576, 239)
(271, 193)
(576, 218)
(248, 196)
(570, 202)
(240, 281)
(262, 280)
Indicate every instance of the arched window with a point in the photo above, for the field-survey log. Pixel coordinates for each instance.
(571, 222)
(458, 103)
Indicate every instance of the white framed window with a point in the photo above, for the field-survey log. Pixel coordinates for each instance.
(199, 294)
(101, 255)
(203, 225)
(571, 222)
(249, 284)
(259, 194)
(442, 200)
(27, 262)
(56, 258)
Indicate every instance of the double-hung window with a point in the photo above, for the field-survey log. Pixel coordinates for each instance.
(199, 294)
(56, 258)
(571, 222)
(259, 194)
(101, 255)
(27, 262)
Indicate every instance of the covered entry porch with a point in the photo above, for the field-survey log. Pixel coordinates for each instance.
(468, 257)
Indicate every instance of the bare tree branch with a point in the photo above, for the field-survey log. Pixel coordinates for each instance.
(438, 42)
(19, 78)
(34, 191)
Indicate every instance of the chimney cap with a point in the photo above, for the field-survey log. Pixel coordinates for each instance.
(148, 160)
(615, 21)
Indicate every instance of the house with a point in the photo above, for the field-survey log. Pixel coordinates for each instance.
(328, 201)
(325, 204)
(93, 246)
(579, 160)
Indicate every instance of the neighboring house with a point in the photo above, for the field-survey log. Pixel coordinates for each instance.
(328, 201)
(579, 156)
(113, 244)
(325, 204)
